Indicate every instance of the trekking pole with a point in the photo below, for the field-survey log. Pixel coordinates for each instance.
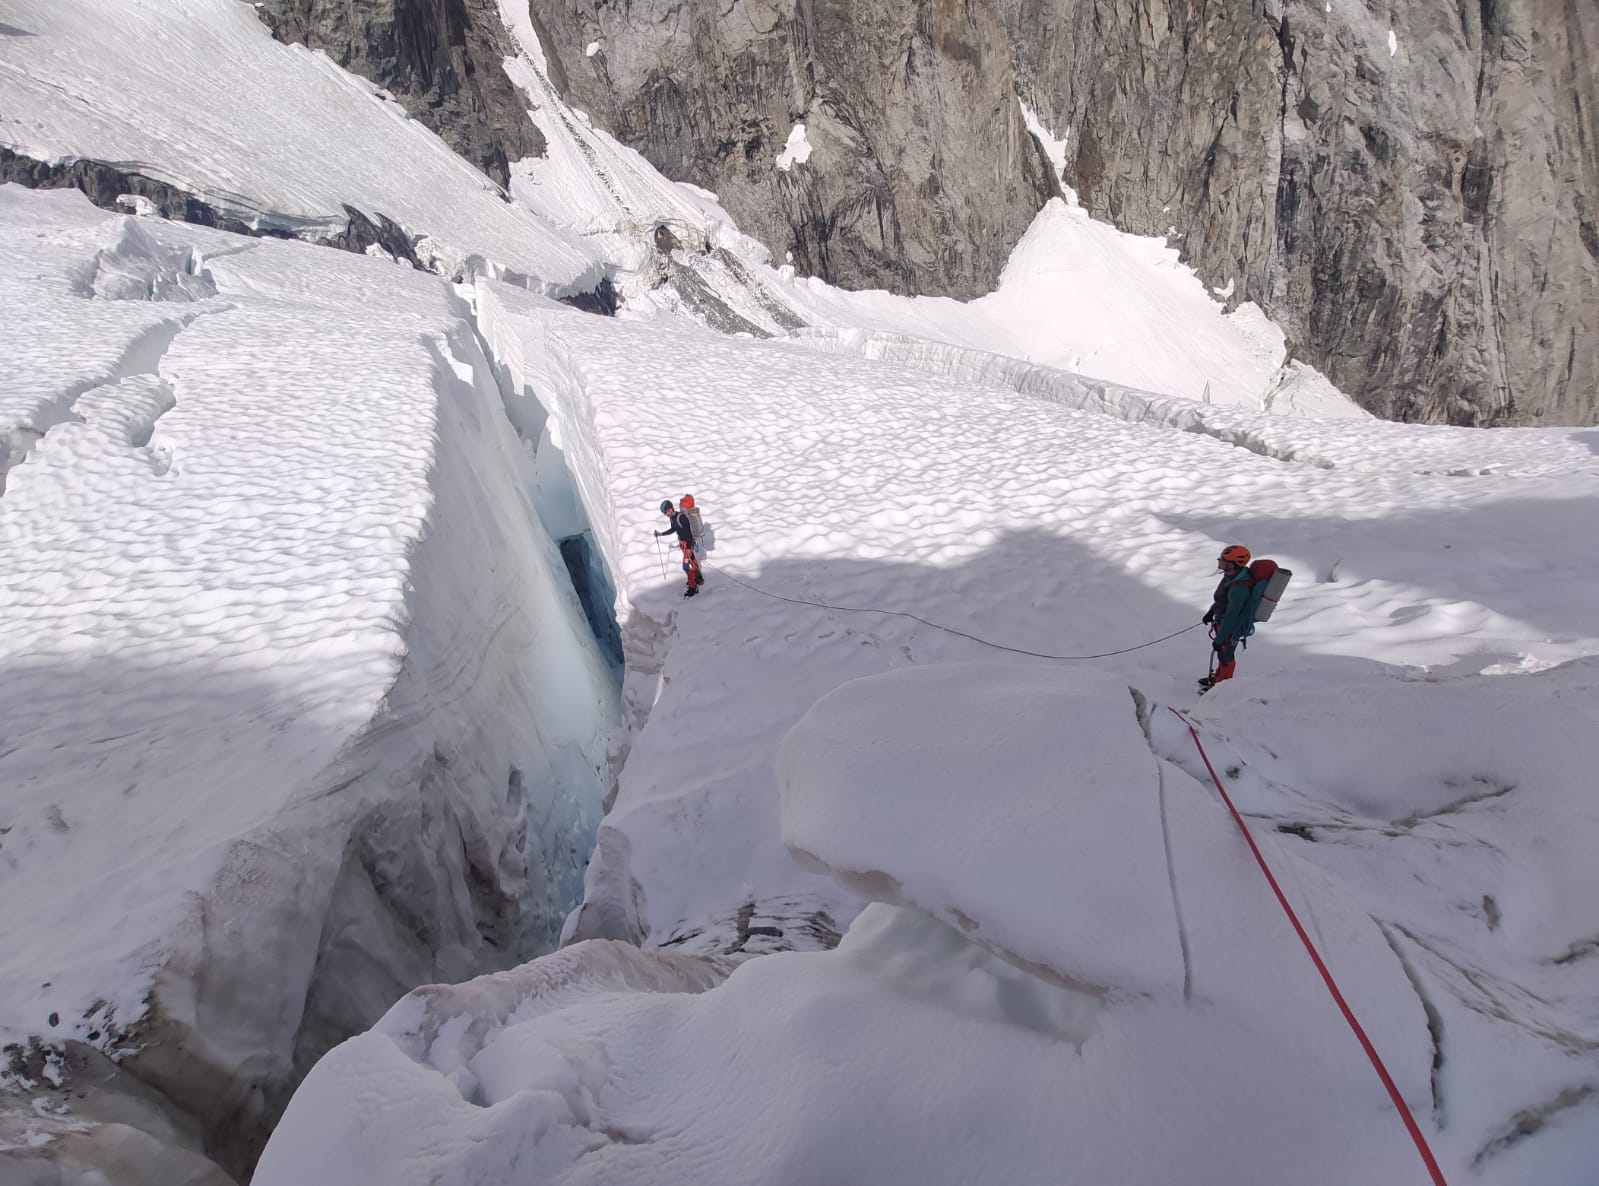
(662, 556)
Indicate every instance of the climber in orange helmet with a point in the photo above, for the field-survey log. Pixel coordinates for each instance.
(1229, 609)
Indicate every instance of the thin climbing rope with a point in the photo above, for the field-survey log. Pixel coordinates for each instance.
(1411, 1126)
(896, 613)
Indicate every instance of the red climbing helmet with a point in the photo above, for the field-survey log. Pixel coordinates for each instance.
(1233, 554)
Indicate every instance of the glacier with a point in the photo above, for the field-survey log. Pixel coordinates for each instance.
(304, 716)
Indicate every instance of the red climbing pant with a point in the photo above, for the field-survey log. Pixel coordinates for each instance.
(691, 565)
(1226, 659)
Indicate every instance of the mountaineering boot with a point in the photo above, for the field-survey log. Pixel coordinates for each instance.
(1207, 682)
(690, 591)
(699, 578)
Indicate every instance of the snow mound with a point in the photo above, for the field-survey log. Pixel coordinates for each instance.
(1078, 295)
(915, 786)
(492, 1081)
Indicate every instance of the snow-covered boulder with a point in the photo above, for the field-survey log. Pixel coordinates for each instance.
(487, 1082)
(299, 709)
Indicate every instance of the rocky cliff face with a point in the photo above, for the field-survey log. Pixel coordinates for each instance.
(439, 58)
(912, 171)
(1411, 190)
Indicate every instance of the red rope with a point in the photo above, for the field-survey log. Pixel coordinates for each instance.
(1349, 1014)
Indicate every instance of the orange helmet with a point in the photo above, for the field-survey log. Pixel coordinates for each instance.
(1235, 554)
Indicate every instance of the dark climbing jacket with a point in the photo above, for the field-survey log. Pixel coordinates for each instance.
(1229, 608)
(682, 527)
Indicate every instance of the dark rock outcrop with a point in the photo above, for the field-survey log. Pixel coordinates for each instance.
(103, 184)
(106, 185)
(440, 59)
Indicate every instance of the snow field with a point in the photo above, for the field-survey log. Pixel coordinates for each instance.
(1338, 442)
(933, 850)
(859, 483)
(1069, 546)
(300, 709)
(1453, 814)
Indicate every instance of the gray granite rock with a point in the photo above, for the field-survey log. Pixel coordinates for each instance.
(439, 58)
(1411, 190)
(921, 174)
(1420, 220)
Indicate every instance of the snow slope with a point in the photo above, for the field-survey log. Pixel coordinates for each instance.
(1018, 520)
(197, 94)
(299, 707)
(1436, 820)
(1080, 296)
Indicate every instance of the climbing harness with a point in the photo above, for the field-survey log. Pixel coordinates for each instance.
(895, 613)
(1327, 978)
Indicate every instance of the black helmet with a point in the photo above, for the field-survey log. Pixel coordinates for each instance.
(666, 506)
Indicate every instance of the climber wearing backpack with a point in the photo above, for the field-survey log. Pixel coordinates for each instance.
(684, 530)
(1246, 594)
(1225, 617)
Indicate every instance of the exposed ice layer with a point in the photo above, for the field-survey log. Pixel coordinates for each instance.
(913, 786)
(299, 707)
(284, 144)
(69, 1116)
(912, 1055)
(1348, 438)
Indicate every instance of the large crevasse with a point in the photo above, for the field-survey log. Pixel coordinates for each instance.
(334, 725)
